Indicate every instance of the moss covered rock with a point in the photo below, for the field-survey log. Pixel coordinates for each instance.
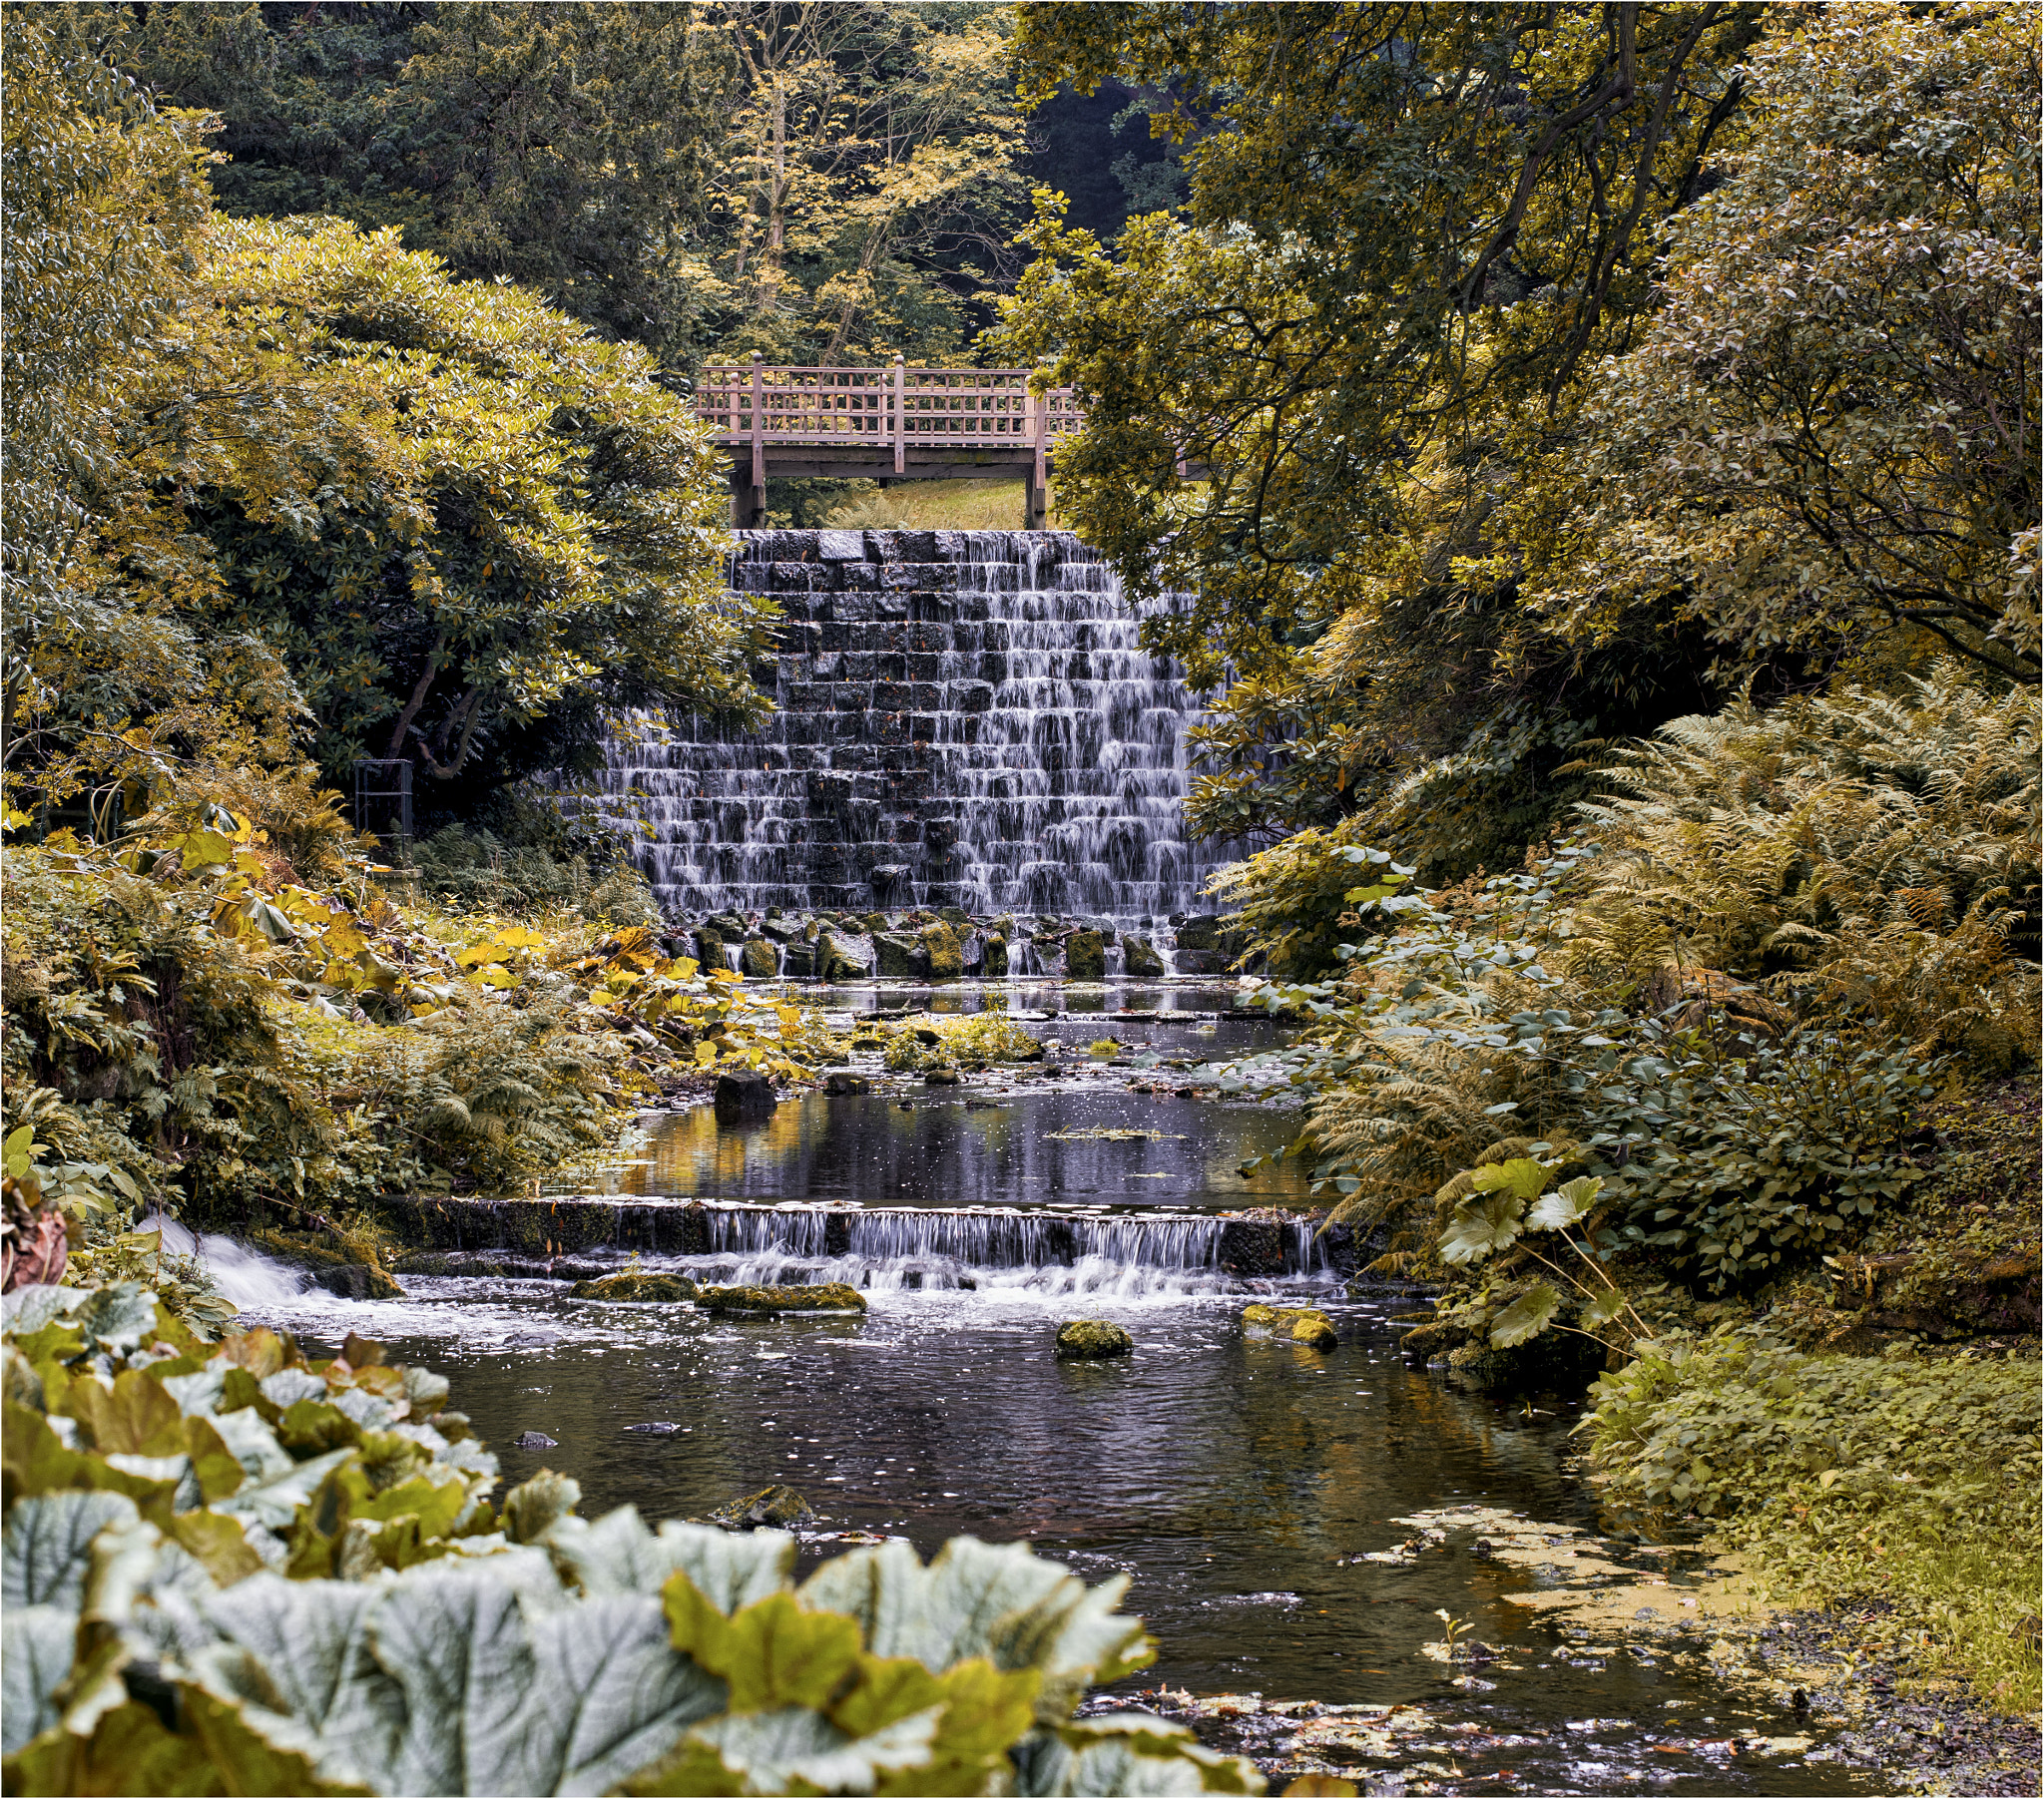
(1085, 957)
(632, 1284)
(827, 1296)
(1140, 958)
(1302, 1324)
(778, 1508)
(947, 956)
(993, 957)
(759, 959)
(358, 1281)
(1085, 1340)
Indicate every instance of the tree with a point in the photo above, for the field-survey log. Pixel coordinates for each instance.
(471, 515)
(1829, 429)
(263, 467)
(1409, 231)
(802, 178)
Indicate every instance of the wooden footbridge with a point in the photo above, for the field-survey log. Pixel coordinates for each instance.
(881, 424)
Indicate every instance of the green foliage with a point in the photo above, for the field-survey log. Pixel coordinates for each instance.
(1309, 894)
(1870, 851)
(947, 1040)
(823, 183)
(1813, 440)
(1913, 1481)
(304, 1559)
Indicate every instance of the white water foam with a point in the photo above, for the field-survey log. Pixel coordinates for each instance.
(253, 1281)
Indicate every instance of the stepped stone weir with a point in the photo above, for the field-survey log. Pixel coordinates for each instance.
(964, 719)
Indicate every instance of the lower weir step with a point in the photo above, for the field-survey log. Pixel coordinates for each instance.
(548, 1238)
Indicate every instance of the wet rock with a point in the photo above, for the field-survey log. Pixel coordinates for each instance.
(1087, 1340)
(799, 962)
(942, 1077)
(1085, 957)
(837, 960)
(533, 1440)
(743, 1097)
(358, 1281)
(655, 1428)
(782, 929)
(1200, 932)
(1302, 1324)
(994, 958)
(1252, 1246)
(632, 1284)
(778, 1508)
(942, 954)
(759, 960)
(1140, 958)
(708, 948)
(842, 1081)
(898, 958)
(826, 1296)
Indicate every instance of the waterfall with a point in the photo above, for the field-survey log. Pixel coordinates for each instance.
(963, 718)
(251, 1281)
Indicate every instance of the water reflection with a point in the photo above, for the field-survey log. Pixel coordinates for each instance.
(1023, 1149)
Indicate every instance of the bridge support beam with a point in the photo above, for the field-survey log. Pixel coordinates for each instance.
(1036, 502)
(748, 502)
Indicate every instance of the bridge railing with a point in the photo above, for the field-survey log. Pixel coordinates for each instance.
(895, 409)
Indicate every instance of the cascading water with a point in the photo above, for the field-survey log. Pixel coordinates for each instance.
(963, 718)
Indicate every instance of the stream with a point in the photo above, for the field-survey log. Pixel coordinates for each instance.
(1292, 1521)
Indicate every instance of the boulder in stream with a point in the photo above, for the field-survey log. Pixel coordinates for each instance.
(1302, 1324)
(534, 1440)
(825, 1296)
(993, 957)
(1085, 957)
(759, 959)
(943, 952)
(899, 958)
(1138, 956)
(743, 1097)
(635, 1284)
(843, 1081)
(357, 1281)
(1087, 1340)
(778, 1508)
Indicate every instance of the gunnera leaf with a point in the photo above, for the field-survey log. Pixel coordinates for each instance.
(1522, 1175)
(532, 1507)
(1526, 1318)
(1568, 1206)
(46, 1551)
(617, 1555)
(1482, 1225)
(1127, 1754)
(36, 1647)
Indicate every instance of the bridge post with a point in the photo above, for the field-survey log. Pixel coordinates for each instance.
(1036, 507)
(749, 487)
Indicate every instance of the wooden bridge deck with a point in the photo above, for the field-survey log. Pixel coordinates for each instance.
(883, 424)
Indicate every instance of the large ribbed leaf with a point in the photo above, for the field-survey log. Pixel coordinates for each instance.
(1127, 1754)
(617, 1555)
(46, 1552)
(1000, 1602)
(36, 1647)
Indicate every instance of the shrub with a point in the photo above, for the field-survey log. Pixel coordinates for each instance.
(1917, 1482)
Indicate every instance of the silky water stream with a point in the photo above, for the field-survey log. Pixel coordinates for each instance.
(1292, 1521)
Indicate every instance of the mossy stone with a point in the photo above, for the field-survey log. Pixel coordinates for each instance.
(946, 955)
(1085, 957)
(1138, 956)
(826, 1296)
(1302, 1324)
(1087, 1340)
(633, 1284)
(778, 1508)
(759, 959)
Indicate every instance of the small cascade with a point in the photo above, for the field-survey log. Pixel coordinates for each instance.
(963, 718)
(734, 1242)
(252, 1282)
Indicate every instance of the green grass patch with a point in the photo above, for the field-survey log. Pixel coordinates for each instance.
(936, 506)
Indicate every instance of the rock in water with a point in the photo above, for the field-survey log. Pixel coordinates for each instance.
(1302, 1324)
(900, 959)
(743, 1097)
(358, 1281)
(942, 1077)
(1138, 956)
(1200, 933)
(993, 957)
(840, 1080)
(632, 1284)
(941, 946)
(656, 1428)
(1085, 957)
(1083, 1340)
(532, 1440)
(778, 1507)
(825, 1296)
(759, 960)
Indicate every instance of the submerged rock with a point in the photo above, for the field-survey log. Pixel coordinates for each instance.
(743, 1097)
(656, 1428)
(1302, 1324)
(1083, 1340)
(826, 1296)
(533, 1440)
(358, 1281)
(635, 1285)
(942, 1077)
(840, 1080)
(778, 1507)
